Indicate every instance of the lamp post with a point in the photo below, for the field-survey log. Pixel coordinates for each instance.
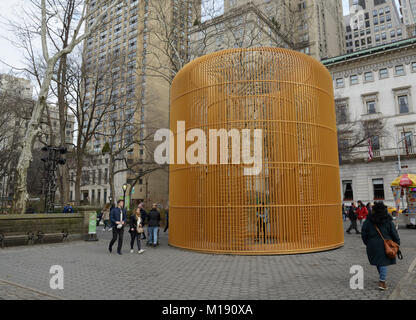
(124, 193)
(399, 163)
(52, 160)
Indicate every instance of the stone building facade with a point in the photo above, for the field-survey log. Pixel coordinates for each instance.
(376, 85)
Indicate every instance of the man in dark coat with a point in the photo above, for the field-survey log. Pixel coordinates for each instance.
(154, 223)
(118, 217)
(375, 244)
(352, 215)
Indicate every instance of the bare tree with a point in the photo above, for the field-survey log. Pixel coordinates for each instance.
(354, 137)
(15, 110)
(44, 22)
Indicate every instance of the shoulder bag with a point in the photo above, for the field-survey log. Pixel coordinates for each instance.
(391, 248)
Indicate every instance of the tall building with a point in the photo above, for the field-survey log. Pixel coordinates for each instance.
(372, 23)
(130, 62)
(374, 99)
(312, 27)
(408, 11)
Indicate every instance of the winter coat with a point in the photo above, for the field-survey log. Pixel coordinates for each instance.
(115, 216)
(374, 243)
(154, 218)
(362, 213)
(144, 216)
(106, 214)
(133, 223)
(352, 214)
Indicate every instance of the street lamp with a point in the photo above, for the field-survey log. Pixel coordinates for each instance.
(398, 150)
(124, 193)
(399, 163)
(52, 159)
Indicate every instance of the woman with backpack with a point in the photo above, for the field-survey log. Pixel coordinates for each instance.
(379, 225)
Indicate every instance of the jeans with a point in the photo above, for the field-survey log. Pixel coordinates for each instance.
(117, 233)
(153, 234)
(134, 235)
(382, 271)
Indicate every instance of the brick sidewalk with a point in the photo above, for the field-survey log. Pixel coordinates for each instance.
(169, 273)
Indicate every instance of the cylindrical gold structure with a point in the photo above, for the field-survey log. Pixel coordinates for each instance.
(293, 205)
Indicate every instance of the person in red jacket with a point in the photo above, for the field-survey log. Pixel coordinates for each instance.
(362, 212)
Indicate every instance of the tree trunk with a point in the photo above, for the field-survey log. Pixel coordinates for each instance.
(21, 195)
(63, 112)
(111, 179)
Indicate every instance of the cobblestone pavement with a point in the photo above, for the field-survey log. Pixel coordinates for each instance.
(11, 291)
(91, 272)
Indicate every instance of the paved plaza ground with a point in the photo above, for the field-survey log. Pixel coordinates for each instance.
(91, 272)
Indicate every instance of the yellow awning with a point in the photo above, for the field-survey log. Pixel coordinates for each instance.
(406, 180)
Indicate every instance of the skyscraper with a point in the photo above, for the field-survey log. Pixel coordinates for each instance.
(372, 23)
(130, 62)
(312, 27)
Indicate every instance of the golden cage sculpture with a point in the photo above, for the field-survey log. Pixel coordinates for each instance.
(293, 205)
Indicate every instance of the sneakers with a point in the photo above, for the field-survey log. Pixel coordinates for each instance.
(110, 229)
(109, 249)
(382, 285)
(119, 253)
(141, 251)
(131, 251)
(349, 232)
(154, 245)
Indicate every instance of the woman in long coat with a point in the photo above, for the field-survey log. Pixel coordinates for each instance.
(375, 245)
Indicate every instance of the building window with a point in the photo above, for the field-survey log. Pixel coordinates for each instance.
(414, 66)
(375, 143)
(368, 76)
(403, 104)
(408, 142)
(399, 70)
(348, 193)
(341, 111)
(353, 79)
(378, 188)
(339, 82)
(371, 107)
(383, 73)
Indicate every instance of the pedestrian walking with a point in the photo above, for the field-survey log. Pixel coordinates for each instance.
(106, 217)
(369, 207)
(167, 219)
(371, 237)
(118, 217)
(153, 226)
(344, 213)
(352, 215)
(144, 216)
(361, 212)
(136, 229)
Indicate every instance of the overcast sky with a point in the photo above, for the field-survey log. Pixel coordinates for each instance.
(9, 9)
